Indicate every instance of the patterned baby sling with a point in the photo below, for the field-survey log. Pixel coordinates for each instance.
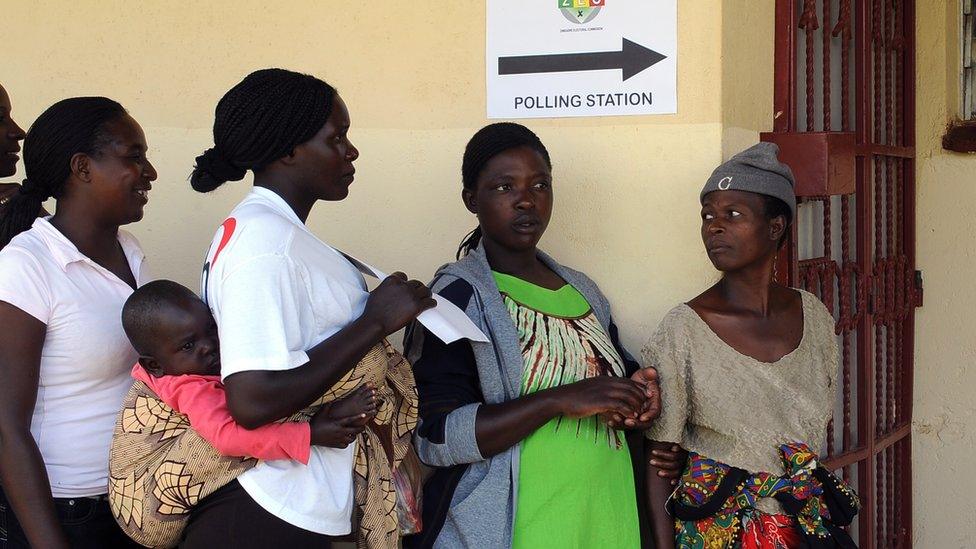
(159, 467)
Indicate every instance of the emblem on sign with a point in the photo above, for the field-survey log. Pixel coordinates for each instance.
(580, 12)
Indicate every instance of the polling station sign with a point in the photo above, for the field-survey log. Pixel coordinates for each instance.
(555, 58)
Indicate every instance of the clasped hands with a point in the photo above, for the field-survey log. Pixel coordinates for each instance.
(650, 408)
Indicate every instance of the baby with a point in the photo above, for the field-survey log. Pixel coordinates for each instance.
(179, 359)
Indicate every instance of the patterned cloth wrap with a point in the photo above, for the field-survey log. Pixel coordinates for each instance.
(159, 467)
(738, 516)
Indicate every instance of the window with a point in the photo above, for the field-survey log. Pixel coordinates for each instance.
(968, 42)
(960, 136)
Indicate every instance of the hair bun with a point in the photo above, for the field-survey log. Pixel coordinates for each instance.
(30, 190)
(213, 169)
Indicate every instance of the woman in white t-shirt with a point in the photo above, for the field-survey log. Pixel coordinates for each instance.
(64, 359)
(293, 314)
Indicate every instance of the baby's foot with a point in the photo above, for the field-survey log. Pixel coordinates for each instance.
(361, 402)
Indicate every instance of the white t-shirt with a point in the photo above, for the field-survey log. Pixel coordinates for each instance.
(86, 358)
(276, 290)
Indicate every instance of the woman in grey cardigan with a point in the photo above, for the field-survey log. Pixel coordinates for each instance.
(520, 429)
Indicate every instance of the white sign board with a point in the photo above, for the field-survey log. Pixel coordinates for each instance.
(550, 58)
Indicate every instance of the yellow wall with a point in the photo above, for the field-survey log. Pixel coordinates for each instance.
(413, 77)
(747, 72)
(945, 408)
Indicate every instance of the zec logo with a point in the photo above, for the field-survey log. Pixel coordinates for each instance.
(580, 12)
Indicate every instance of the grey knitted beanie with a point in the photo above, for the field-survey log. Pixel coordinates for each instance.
(756, 170)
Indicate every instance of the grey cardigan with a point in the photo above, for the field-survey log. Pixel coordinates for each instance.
(481, 511)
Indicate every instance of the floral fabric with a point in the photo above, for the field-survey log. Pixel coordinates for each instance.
(738, 523)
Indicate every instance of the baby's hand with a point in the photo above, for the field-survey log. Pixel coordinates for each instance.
(335, 433)
(338, 423)
(361, 401)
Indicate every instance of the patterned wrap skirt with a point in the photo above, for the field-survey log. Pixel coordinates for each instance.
(714, 505)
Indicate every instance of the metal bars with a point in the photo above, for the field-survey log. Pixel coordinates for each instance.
(856, 58)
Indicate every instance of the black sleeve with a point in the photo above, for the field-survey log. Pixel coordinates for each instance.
(630, 363)
(446, 375)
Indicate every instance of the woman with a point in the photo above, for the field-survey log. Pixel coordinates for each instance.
(513, 424)
(64, 359)
(10, 137)
(293, 314)
(747, 376)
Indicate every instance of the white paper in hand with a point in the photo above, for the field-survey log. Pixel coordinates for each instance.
(445, 320)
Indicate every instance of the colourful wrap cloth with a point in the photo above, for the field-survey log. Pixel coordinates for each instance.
(734, 523)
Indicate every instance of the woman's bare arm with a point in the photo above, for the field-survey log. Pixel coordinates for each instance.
(22, 472)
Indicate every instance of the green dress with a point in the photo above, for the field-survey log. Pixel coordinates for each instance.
(576, 483)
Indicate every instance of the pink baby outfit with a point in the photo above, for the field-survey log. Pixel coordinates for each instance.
(203, 400)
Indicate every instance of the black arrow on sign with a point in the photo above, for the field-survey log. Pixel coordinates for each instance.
(631, 59)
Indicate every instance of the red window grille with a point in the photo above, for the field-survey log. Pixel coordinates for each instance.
(844, 104)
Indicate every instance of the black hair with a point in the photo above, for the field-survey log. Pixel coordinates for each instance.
(485, 144)
(66, 128)
(261, 119)
(774, 207)
(140, 314)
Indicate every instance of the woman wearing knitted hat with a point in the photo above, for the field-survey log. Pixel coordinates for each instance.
(747, 373)
(513, 426)
(295, 318)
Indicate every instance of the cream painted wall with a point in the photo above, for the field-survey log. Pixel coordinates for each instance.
(413, 77)
(945, 413)
(747, 72)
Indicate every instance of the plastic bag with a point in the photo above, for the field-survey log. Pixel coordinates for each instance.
(408, 480)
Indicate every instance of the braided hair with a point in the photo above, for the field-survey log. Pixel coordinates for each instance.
(261, 119)
(485, 144)
(71, 126)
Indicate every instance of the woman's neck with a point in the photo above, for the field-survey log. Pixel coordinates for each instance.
(513, 262)
(92, 239)
(523, 264)
(288, 191)
(749, 288)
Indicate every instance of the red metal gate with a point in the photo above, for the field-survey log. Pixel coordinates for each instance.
(845, 120)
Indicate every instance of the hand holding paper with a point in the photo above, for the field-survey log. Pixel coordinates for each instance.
(445, 320)
(396, 302)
